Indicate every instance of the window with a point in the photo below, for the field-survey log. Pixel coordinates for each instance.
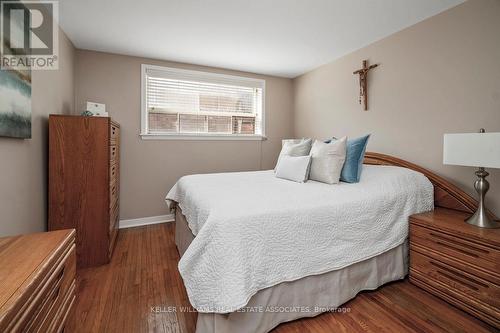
(179, 103)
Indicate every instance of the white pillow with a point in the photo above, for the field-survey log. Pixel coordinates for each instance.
(294, 168)
(327, 160)
(294, 147)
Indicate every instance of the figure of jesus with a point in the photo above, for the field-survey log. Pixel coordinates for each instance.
(363, 83)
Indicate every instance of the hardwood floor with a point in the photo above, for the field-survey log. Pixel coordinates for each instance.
(137, 291)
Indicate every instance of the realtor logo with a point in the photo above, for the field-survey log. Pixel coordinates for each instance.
(29, 35)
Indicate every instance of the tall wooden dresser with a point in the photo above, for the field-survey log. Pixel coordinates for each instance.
(84, 174)
(37, 274)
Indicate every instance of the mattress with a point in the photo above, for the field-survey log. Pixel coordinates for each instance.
(254, 231)
(306, 297)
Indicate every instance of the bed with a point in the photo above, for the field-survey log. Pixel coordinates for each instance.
(257, 251)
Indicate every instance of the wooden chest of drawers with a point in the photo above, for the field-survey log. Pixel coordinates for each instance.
(84, 183)
(457, 262)
(37, 274)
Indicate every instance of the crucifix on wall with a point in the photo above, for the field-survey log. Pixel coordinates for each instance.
(363, 83)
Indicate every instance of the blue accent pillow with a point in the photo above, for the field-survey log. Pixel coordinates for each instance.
(355, 154)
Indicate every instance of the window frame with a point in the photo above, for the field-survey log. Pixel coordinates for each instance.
(145, 135)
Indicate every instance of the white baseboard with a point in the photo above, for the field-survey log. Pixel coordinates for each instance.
(146, 221)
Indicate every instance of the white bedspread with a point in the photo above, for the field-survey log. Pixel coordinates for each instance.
(254, 230)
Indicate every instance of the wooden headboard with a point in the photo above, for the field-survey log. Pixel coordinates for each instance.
(446, 194)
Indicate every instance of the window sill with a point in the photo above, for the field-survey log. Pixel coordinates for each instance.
(220, 137)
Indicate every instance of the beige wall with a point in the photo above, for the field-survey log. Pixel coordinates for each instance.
(23, 163)
(439, 76)
(150, 168)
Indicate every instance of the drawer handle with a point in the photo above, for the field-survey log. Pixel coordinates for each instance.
(458, 246)
(58, 282)
(61, 274)
(457, 277)
(457, 249)
(57, 292)
(458, 281)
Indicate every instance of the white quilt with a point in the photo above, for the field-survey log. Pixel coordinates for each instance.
(254, 230)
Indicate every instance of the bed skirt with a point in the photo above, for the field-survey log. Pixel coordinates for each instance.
(306, 297)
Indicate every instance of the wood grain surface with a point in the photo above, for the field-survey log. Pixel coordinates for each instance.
(84, 183)
(457, 262)
(37, 274)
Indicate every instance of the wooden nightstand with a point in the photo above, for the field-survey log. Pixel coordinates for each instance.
(457, 262)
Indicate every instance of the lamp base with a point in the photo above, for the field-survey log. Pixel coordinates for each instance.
(482, 220)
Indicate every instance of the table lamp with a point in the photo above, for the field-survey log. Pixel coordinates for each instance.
(480, 150)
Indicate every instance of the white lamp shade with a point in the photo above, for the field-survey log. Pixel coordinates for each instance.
(472, 149)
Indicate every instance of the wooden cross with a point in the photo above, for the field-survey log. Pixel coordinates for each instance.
(363, 83)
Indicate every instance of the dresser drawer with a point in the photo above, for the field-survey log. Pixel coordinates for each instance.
(59, 320)
(480, 256)
(113, 215)
(113, 194)
(65, 290)
(463, 285)
(114, 134)
(38, 314)
(113, 154)
(113, 173)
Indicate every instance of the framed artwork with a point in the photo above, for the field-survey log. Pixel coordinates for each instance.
(15, 104)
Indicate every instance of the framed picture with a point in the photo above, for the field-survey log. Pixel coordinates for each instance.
(15, 104)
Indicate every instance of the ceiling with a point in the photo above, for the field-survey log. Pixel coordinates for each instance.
(276, 37)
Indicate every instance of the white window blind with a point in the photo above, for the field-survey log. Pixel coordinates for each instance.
(180, 102)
